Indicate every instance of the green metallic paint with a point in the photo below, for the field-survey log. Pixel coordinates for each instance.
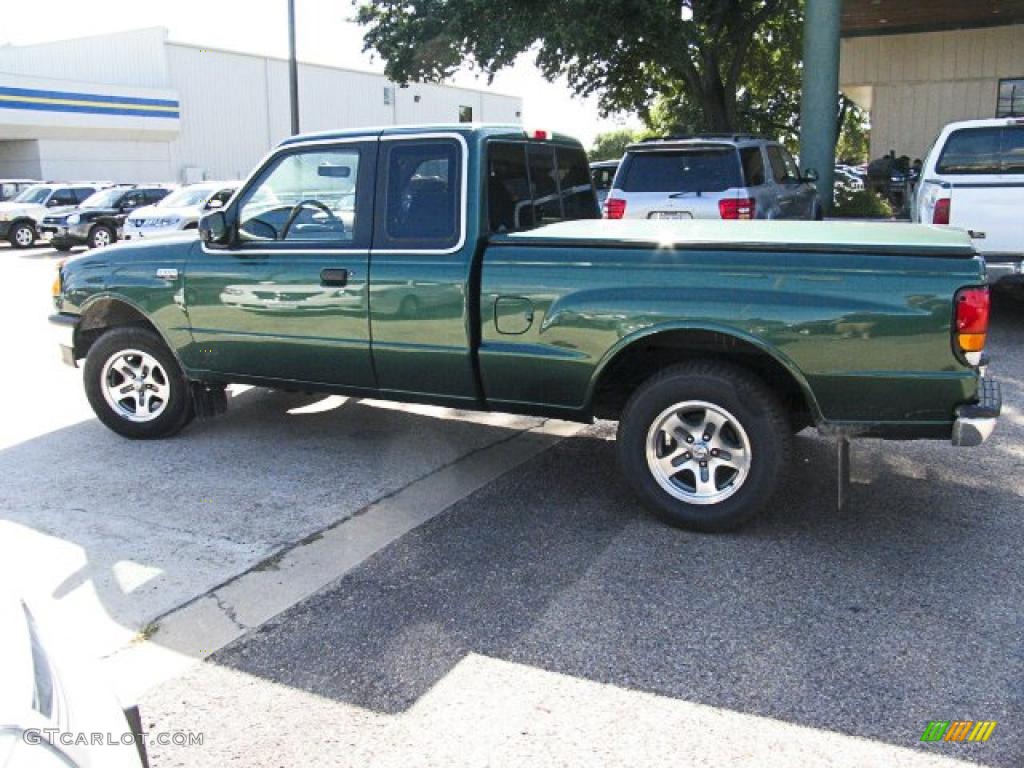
(860, 315)
(860, 332)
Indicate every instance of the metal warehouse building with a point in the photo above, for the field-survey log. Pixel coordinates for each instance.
(137, 107)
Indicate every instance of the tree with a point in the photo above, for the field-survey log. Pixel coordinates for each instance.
(612, 144)
(720, 63)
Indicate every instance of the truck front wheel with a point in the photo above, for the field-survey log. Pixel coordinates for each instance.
(135, 386)
(704, 443)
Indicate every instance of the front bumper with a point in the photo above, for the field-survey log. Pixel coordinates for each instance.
(63, 327)
(975, 422)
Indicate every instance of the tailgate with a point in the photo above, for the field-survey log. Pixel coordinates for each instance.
(991, 212)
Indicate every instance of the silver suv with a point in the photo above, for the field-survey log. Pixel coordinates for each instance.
(711, 176)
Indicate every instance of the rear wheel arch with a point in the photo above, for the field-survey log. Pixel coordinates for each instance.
(635, 360)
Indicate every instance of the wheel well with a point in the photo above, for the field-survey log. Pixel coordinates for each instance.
(24, 220)
(103, 315)
(192, 225)
(645, 357)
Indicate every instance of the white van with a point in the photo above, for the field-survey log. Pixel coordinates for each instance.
(973, 179)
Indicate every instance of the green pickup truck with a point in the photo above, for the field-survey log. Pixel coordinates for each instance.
(467, 266)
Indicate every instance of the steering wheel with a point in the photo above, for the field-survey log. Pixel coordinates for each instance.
(297, 209)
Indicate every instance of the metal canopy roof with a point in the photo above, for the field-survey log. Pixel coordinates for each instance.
(890, 17)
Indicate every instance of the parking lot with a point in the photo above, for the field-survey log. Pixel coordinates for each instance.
(543, 616)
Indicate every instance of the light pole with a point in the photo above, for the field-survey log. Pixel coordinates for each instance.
(293, 69)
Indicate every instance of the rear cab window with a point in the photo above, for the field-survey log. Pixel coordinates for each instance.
(983, 151)
(532, 183)
(696, 169)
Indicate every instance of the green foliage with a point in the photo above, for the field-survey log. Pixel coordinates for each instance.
(854, 135)
(732, 61)
(612, 145)
(860, 204)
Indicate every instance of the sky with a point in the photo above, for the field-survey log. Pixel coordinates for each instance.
(325, 35)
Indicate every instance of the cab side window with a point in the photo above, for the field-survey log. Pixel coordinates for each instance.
(421, 195)
(305, 196)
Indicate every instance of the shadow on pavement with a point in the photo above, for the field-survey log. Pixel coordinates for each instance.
(142, 527)
(901, 610)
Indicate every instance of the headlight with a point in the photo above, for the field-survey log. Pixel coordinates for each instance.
(171, 222)
(74, 218)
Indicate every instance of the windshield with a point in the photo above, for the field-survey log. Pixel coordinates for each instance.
(690, 170)
(106, 198)
(189, 196)
(33, 195)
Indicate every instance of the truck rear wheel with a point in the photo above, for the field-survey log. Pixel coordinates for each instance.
(704, 443)
(135, 385)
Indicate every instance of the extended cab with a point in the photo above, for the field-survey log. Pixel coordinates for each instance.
(973, 179)
(466, 266)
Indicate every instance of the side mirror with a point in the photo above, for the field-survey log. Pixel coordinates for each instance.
(810, 175)
(213, 228)
(214, 204)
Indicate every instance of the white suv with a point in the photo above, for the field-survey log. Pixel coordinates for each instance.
(711, 176)
(20, 217)
(973, 178)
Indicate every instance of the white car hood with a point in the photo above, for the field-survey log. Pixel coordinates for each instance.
(21, 209)
(156, 212)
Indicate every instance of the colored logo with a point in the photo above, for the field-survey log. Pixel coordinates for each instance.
(958, 730)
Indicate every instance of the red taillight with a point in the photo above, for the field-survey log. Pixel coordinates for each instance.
(941, 213)
(540, 135)
(614, 208)
(742, 208)
(972, 309)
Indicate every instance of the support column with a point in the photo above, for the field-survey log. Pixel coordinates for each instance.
(819, 101)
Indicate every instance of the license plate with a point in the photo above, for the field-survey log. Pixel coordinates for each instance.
(62, 230)
(671, 215)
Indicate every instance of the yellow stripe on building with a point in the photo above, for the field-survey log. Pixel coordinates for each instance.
(85, 103)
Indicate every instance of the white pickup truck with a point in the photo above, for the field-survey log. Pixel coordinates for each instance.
(973, 179)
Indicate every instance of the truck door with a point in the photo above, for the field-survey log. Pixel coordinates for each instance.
(420, 266)
(288, 300)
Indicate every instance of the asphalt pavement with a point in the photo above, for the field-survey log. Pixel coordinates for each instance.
(549, 619)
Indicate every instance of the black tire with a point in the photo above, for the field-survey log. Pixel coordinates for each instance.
(759, 414)
(176, 411)
(101, 236)
(22, 234)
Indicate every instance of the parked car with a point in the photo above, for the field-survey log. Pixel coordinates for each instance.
(20, 217)
(11, 188)
(178, 211)
(603, 174)
(49, 708)
(711, 177)
(99, 220)
(709, 342)
(973, 178)
(848, 179)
